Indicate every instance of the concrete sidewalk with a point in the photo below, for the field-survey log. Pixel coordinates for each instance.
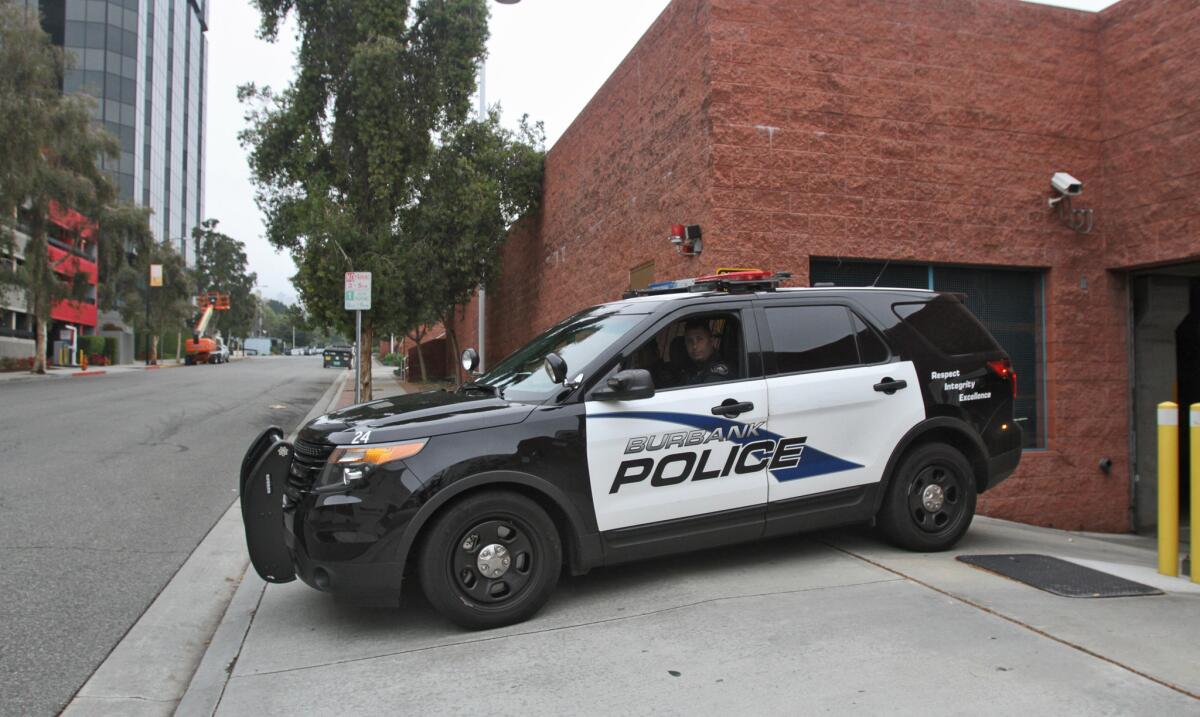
(833, 622)
(384, 384)
(56, 372)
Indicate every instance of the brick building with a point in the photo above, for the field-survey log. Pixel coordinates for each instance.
(911, 142)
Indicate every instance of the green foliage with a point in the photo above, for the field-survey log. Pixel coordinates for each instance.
(91, 345)
(172, 305)
(221, 266)
(394, 359)
(480, 180)
(338, 154)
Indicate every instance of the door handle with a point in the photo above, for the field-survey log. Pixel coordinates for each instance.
(890, 385)
(730, 408)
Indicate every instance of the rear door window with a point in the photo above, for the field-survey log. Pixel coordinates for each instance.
(948, 325)
(812, 338)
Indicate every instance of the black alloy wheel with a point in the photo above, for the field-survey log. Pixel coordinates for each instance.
(494, 561)
(935, 498)
(491, 559)
(930, 500)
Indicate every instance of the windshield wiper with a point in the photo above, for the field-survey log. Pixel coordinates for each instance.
(469, 385)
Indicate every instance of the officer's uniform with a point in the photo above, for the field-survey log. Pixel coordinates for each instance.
(709, 371)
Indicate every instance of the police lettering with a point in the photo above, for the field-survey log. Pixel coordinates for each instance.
(679, 439)
(681, 466)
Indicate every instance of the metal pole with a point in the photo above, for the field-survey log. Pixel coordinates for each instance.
(1168, 488)
(357, 355)
(148, 290)
(481, 321)
(1194, 459)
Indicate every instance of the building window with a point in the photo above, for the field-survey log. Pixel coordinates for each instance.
(641, 275)
(1009, 302)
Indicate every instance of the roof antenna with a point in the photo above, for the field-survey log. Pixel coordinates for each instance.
(880, 275)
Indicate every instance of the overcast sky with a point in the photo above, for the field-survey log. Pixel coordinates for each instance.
(546, 58)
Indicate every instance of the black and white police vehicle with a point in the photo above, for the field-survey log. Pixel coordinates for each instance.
(690, 415)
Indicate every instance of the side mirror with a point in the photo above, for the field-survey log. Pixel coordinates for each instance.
(556, 367)
(470, 360)
(629, 385)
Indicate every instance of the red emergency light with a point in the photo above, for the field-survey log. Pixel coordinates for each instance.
(1004, 369)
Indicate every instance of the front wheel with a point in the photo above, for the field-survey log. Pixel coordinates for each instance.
(930, 500)
(490, 560)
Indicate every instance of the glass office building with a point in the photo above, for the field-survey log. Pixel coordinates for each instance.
(144, 61)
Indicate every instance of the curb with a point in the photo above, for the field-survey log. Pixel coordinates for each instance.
(207, 685)
(153, 669)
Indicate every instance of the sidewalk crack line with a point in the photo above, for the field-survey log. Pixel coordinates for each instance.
(1017, 622)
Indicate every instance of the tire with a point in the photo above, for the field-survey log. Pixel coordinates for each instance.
(919, 517)
(450, 572)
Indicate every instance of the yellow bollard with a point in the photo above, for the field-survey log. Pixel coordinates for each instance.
(1168, 488)
(1194, 430)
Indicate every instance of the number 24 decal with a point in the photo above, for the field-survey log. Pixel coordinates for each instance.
(360, 437)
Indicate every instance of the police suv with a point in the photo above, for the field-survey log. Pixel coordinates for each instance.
(691, 415)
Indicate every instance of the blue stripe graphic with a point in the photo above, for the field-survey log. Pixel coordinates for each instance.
(812, 461)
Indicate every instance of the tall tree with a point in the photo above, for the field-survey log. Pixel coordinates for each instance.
(337, 154)
(51, 153)
(221, 266)
(480, 180)
(132, 250)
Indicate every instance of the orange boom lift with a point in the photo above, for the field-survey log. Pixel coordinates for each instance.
(199, 348)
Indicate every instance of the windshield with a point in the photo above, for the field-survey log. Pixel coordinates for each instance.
(578, 340)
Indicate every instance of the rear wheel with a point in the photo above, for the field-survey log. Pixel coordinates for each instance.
(490, 560)
(931, 499)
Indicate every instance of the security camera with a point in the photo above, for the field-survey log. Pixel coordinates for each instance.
(1066, 185)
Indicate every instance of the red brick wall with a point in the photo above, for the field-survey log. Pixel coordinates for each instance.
(1151, 130)
(928, 131)
(921, 131)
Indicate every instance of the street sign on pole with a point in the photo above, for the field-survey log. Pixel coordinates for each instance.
(358, 291)
(358, 300)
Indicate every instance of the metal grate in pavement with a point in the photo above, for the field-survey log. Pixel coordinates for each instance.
(1058, 576)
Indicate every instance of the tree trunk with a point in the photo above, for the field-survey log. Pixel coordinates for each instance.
(39, 343)
(421, 355)
(452, 337)
(38, 294)
(179, 347)
(364, 360)
(153, 357)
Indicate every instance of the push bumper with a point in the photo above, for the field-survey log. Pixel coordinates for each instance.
(348, 542)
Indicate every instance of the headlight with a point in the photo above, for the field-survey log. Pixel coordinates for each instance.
(348, 464)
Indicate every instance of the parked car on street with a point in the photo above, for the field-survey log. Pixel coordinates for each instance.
(220, 354)
(337, 357)
(688, 416)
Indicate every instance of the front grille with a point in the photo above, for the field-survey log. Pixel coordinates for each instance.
(307, 461)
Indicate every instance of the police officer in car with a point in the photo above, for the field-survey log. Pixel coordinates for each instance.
(705, 367)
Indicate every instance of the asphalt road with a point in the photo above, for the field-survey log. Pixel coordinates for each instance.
(106, 486)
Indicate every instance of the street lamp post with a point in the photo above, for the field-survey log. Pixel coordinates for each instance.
(482, 320)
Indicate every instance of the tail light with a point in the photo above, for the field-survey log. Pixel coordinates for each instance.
(1004, 369)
